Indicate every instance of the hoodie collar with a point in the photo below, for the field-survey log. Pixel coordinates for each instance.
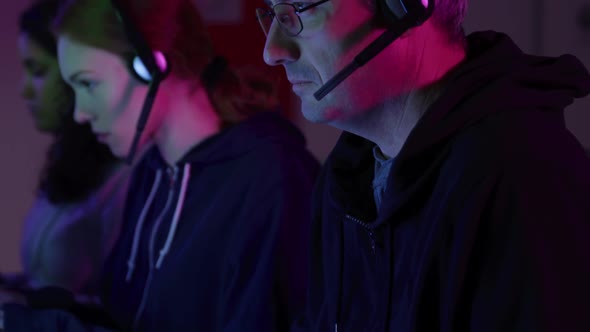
(238, 139)
(495, 77)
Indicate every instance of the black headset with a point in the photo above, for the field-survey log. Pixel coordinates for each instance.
(147, 65)
(405, 14)
(398, 16)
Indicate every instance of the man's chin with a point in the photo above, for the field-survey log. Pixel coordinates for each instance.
(313, 113)
(322, 114)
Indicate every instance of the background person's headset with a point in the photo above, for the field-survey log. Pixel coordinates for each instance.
(147, 65)
(398, 16)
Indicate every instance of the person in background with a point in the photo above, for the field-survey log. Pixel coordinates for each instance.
(76, 216)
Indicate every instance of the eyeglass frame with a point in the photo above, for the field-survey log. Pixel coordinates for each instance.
(297, 11)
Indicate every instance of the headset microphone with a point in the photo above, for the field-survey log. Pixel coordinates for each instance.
(148, 66)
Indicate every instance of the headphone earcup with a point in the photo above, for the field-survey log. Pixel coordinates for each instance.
(396, 8)
(140, 70)
(390, 12)
(411, 12)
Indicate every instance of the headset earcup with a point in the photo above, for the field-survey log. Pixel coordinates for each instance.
(412, 12)
(161, 62)
(140, 70)
(395, 8)
(390, 12)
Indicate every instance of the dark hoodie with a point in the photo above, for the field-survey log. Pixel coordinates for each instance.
(485, 221)
(216, 243)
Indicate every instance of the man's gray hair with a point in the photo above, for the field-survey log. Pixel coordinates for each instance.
(448, 15)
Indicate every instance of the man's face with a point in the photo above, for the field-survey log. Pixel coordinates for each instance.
(333, 34)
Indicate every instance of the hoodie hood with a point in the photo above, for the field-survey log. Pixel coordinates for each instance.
(495, 77)
(239, 139)
(498, 77)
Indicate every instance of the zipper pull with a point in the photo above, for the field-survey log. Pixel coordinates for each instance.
(335, 327)
(171, 171)
(373, 242)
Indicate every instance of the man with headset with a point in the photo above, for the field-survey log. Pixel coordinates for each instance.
(456, 199)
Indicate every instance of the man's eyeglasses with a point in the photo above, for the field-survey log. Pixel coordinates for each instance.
(287, 14)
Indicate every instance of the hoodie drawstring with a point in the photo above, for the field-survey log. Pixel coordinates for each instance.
(139, 226)
(169, 239)
(179, 205)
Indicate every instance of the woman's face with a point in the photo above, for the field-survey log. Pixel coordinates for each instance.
(108, 97)
(44, 91)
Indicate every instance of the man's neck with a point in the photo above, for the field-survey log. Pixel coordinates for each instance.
(390, 124)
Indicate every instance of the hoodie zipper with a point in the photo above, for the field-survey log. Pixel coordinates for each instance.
(369, 231)
(340, 279)
(172, 174)
(372, 236)
(373, 239)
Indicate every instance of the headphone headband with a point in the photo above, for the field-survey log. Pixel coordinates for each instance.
(406, 13)
(149, 63)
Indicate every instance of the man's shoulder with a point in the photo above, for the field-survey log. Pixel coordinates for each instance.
(518, 144)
